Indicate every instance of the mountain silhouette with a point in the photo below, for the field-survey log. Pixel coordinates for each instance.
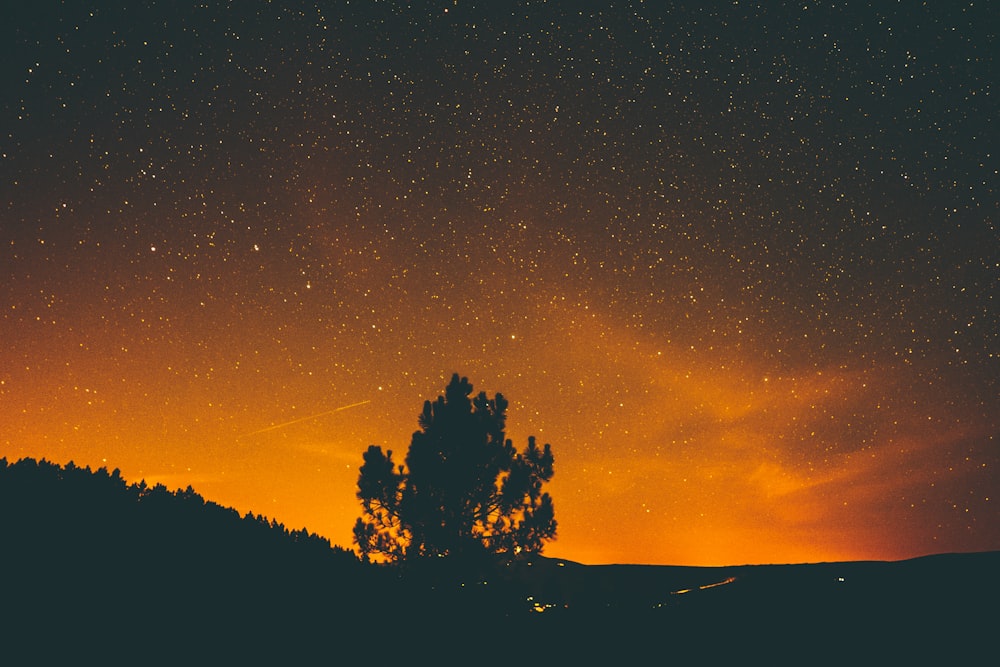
(99, 570)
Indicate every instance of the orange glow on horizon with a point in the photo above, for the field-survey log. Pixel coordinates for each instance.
(700, 464)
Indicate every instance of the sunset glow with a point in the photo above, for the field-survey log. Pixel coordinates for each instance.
(738, 266)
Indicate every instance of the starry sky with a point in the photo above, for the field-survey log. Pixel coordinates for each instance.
(736, 261)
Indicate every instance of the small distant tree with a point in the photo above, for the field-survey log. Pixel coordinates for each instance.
(464, 490)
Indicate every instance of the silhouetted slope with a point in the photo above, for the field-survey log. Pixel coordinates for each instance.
(90, 561)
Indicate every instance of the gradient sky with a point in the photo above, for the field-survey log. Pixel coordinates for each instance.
(736, 261)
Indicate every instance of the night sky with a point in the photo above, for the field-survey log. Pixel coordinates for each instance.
(737, 262)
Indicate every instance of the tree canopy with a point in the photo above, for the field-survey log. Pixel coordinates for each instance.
(464, 490)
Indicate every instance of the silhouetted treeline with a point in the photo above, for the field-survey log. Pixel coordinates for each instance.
(88, 558)
(75, 510)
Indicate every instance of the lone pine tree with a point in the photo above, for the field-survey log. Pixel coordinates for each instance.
(464, 491)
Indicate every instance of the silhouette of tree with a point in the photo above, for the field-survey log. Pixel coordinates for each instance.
(464, 490)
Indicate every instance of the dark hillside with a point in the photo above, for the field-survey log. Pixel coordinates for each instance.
(95, 566)
(933, 610)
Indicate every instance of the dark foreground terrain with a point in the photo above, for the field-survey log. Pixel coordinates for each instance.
(96, 571)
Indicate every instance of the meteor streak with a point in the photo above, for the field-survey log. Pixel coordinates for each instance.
(303, 419)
